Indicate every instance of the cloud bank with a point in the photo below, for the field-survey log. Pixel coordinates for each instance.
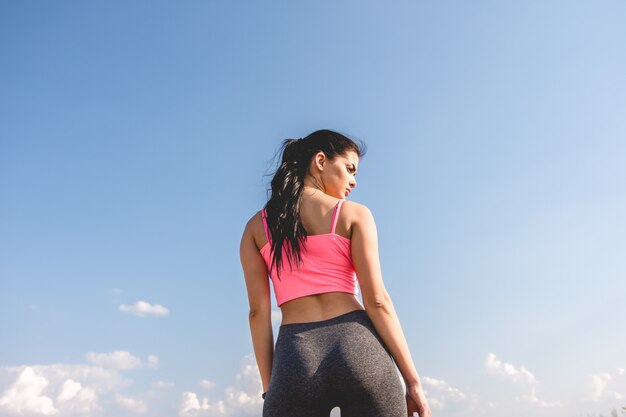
(68, 390)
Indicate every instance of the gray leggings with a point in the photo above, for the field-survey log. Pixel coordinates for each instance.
(341, 362)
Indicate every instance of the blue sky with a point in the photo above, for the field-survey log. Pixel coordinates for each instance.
(136, 139)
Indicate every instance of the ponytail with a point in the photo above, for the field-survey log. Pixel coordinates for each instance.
(283, 208)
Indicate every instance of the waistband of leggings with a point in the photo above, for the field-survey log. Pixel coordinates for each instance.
(354, 315)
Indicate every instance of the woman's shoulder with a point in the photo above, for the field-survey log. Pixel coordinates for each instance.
(356, 213)
(254, 230)
(355, 208)
(255, 220)
(254, 224)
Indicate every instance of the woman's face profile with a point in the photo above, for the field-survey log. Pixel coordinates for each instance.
(338, 174)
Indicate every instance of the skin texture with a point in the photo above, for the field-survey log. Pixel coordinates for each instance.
(327, 181)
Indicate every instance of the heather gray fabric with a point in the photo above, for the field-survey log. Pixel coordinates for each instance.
(341, 362)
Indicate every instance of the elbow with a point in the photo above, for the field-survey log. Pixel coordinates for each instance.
(256, 313)
(378, 304)
(253, 313)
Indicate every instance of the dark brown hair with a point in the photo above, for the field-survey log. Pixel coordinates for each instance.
(283, 207)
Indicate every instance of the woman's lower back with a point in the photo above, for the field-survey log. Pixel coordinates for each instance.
(318, 307)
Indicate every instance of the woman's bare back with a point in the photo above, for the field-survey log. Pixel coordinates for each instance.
(316, 213)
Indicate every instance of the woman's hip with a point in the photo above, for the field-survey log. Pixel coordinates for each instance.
(346, 343)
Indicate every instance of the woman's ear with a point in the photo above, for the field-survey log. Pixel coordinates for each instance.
(319, 160)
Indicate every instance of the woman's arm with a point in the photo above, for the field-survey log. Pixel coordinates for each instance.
(257, 284)
(379, 307)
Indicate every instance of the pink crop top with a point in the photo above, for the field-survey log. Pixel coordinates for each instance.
(326, 265)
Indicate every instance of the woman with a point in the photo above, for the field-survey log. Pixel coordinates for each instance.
(331, 351)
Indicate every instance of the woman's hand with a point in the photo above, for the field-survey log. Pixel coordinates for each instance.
(416, 401)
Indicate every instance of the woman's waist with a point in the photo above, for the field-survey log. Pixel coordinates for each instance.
(318, 307)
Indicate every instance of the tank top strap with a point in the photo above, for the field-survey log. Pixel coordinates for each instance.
(333, 225)
(267, 232)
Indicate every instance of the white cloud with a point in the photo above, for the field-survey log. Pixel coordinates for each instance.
(119, 359)
(153, 361)
(67, 390)
(142, 309)
(532, 399)
(74, 398)
(508, 371)
(101, 379)
(25, 396)
(206, 384)
(604, 386)
(77, 387)
(191, 406)
(115, 291)
(520, 376)
(599, 383)
(242, 399)
(131, 404)
(442, 396)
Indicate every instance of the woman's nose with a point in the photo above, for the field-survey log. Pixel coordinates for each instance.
(353, 182)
